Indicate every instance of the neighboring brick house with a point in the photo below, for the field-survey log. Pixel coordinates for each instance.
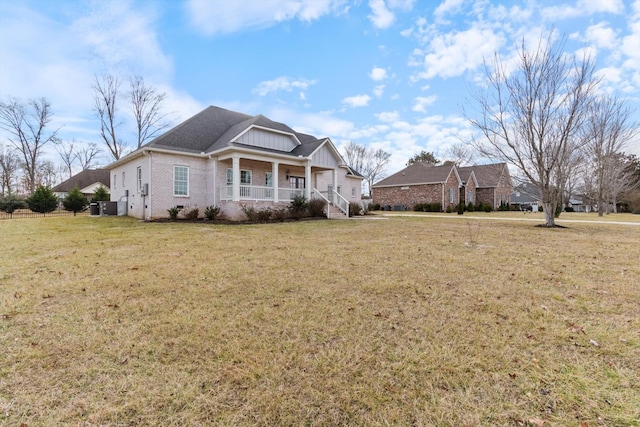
(419, 183)
(468, 190)
(493, 183)
(87, 181)
(231, 160)
(445, 184)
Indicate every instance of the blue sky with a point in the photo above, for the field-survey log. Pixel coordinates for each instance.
(390, 74)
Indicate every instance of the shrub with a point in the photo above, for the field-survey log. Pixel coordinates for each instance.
(449, 210)
(42, 200)
(487, 207)
(355, 209)
(418, 207)
(316, 207)
(263, 215)
(460, 208)
(375, 207)
(470, 207)
(250, 212)
(100, 195)
(192, 214)
(279, 214)
(211, 212)
(75, 201)
(11, 203)
(298, 206)
(569, 209)
(173, 212)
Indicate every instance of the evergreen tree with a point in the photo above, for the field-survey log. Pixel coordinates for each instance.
(75, 201)
(42, 200)
(101, 195)
(10, 204)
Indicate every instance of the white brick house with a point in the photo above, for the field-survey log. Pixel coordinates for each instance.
(229, 159)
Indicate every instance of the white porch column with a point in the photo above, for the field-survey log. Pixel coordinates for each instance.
(334, 182)
(274, 178)
(307, 180)
(236, 178)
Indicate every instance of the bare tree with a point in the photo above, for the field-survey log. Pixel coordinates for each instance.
(460, 154)
(87, 154)
(608, 131)
(529, 116)
(9, 166)
(367, 161)
(47, 174)
(146, 105)
(105, 105)
(67, 153)
(26, 126)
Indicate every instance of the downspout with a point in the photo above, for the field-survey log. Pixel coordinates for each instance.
(148, 196)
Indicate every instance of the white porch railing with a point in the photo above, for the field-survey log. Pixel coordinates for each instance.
(262, 193)
(336, 199)
(257, 192)
(318, 195)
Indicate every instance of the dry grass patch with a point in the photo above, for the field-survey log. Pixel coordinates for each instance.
(422, 321)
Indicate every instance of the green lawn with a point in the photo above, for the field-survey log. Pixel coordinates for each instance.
(426, 321)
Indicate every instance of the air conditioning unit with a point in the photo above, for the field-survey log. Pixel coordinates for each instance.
(144, 191)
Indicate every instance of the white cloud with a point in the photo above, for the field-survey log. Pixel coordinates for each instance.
(357, 101)
(282, 83)
(318, 124)
(601, 35)
(118, 34)
(223, 17)
(582, 8)
(448, 7)
(378, 91)
(378, 74)
(451, 54)
(422, 102)
(388, 116)
(381, 17)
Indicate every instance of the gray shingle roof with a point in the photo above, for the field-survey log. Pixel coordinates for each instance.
(84, 179)
(417, 173)
(215, 128)
(486, 175)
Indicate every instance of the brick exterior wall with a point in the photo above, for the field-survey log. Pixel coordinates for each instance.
(206, 176)
(495, 195)
(410, 195)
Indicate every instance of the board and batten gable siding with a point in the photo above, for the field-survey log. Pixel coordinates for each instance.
(324, 157)
(161, 187)
(266, 139)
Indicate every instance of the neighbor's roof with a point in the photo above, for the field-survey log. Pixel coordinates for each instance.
(486, 175)
(417, 173)
(525, 193)
(84, 179)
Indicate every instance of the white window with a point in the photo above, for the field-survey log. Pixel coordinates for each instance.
(180, 181)
(123, 184)
(268, 179)
(115, 181)
(451, 195)
(470, 196)
(245, 177)
(353, 191)
(139, 178)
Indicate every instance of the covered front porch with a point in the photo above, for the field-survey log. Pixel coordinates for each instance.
(253, 179)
